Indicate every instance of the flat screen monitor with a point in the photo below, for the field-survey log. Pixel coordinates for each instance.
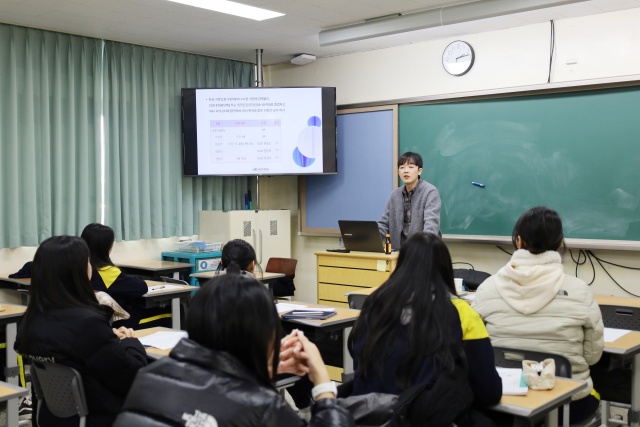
(259, 131)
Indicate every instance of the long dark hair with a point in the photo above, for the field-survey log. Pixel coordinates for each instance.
(540, 229)
(422, 283)
(59, 279)
(99, 239)
(236, 314)
(237, 255)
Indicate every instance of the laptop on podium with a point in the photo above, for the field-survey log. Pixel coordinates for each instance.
(361, 236)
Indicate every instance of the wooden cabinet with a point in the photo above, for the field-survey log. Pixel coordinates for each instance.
(340, 273)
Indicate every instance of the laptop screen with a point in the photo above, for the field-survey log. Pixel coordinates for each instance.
(361, 236)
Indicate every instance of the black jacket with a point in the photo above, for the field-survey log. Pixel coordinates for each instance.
(197, 383)
(83, 339)
(128, 291)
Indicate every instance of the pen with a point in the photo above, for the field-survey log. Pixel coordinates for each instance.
(478, 184)
(156, 288)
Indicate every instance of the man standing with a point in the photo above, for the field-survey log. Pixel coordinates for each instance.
(413, 207)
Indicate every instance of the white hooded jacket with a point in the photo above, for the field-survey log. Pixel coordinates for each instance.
(531, 304)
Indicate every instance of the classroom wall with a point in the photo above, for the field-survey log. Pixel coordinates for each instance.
(601, 47)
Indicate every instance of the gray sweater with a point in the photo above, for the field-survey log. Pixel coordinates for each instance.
(425, 212)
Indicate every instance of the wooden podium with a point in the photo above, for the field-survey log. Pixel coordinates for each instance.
(341, 273)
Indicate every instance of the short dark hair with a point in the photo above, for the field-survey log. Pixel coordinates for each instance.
(237, 255)
(422, 282)
(540, 229)
(236, 314)
(59, 279)
(99, 239)
(411, 158)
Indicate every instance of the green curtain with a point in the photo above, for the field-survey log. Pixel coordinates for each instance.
(49, 134)
(55, 91)
(147, 195)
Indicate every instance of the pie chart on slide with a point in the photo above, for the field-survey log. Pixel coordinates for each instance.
(309, 145)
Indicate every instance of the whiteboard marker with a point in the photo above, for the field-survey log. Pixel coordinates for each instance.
(477, 184)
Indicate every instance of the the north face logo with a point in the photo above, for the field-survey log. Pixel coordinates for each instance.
(199, 419)
(563, 293)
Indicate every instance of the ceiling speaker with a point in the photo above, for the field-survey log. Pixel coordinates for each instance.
(302, 59)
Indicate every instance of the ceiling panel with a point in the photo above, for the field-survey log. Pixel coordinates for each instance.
(169, 25)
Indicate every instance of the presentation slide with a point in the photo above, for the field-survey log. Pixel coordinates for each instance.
(259, 131)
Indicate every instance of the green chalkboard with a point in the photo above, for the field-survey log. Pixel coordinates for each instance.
(577, 152)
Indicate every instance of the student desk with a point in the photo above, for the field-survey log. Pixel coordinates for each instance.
(9, 318)
(267, 278)
(156, 353)
(161, 297)
(155, 268)
(341, 273)
(19, 285)
(538, 403)
(152, 352)
(330, 336)
(627, 346)
(11, 393)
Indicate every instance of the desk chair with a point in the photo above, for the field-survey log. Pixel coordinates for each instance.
(619, 317)
(356, 301)
(614, 316)
(61, 388)
(512, 358)
(283, 287)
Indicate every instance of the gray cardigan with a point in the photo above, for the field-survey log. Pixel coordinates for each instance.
(425, 212)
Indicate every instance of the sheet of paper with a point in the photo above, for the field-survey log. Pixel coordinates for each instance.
(283, 307)
(513, 382)
(381, 265)
(162, 288)
(163, 340)
(611, 334)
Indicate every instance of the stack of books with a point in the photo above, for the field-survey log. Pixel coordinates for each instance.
(310, 313)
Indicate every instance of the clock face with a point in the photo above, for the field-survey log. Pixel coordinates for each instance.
(458, 58)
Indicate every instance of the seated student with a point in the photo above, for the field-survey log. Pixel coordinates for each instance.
(532, 304)
(65, 324)
(413, 329)
(127, 290)
(223, 373)
(239, 256)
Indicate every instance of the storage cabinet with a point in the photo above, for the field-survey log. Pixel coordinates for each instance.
(268, 231)
(202, 261)
(341, 273)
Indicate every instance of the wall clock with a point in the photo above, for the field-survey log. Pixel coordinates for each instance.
(458, 58)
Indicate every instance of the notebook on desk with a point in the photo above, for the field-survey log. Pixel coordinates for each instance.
(361, 236)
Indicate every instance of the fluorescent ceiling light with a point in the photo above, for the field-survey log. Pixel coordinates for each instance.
(438, 17)
(232, 8)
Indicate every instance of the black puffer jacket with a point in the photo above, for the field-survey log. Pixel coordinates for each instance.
(197, 386)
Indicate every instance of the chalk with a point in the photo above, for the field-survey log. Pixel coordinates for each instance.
(477, 184)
